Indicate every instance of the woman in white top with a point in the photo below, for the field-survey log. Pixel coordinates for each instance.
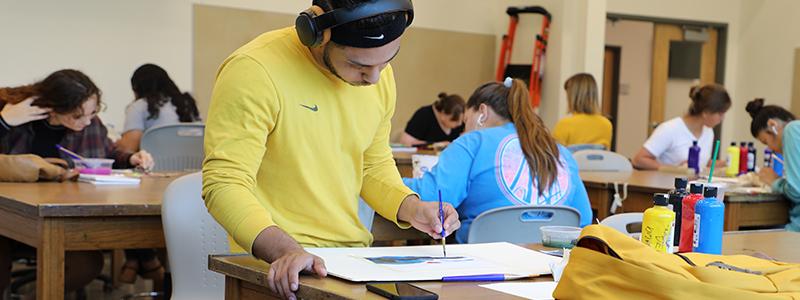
(158, 102)
(670, 142)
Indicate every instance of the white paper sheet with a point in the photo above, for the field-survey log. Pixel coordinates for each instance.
(114, 179)
(491, 258)
(527, 290)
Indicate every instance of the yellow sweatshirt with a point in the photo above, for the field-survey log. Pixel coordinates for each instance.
(583, 129)
(289, 144)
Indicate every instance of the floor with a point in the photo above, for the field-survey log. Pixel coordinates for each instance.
(95, 289)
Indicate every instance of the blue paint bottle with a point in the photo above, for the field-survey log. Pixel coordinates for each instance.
(709, 218)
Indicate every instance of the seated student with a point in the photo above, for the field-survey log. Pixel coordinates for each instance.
(669, 144)
(585, 125)
(158, 102)
(61, 109)
(506, 158)
(440, 122)
(776, 127)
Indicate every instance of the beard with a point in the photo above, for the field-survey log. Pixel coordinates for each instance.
(326, 58)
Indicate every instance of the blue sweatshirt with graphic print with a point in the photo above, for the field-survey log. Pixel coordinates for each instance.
(486, 169)
(789, 186)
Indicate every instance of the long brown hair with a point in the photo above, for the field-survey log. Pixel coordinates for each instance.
(513, 103)
(582, 93)
(63, 91)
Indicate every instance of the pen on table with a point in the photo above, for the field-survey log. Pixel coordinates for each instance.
(485, 277)
(441, 219)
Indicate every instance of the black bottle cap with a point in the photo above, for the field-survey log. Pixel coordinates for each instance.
(661, 199)
(696, 188)
(681, 182)
(711, 192)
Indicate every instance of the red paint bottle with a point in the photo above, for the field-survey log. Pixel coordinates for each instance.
(687, 216)
(743, 152)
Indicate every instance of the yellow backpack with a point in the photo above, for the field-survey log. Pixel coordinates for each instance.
(608, 264)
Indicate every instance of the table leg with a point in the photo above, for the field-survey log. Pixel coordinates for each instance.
(732, 216)
(117, 261)
(50, 260)
(233, 288)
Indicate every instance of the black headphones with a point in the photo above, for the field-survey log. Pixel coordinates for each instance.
(311, 27)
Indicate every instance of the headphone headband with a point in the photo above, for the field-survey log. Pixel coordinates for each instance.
(310, 27)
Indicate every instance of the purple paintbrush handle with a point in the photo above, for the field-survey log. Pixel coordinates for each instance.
(482, 277)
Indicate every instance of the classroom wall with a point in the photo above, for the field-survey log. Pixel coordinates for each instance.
(636, 41)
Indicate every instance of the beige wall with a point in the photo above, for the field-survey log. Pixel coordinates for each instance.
(636, 42)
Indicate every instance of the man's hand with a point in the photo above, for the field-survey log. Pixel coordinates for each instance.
(283, 273)
(287, 259)
(424, 216)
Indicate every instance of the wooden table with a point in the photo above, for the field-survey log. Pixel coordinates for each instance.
(403, 161)
(740, 209)
(246, 277)
(58, 217)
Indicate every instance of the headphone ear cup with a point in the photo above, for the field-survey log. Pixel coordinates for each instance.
(307, 28)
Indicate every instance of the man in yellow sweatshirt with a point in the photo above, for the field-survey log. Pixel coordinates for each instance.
(299, 127)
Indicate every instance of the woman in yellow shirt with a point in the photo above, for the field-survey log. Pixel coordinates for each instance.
(585, 124)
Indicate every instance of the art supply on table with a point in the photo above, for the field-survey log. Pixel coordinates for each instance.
(114, 179)
(489, 258)
(733, 160)
(767, 158)
(658, 224)
(441, 219)
(564, 237)
(73, 155)
(743, 150)
(751, 157)
(709, 219)
(687, 216)
(676, 201)
(694, 157)
(713, 160)
(485, 277)
(777, 163)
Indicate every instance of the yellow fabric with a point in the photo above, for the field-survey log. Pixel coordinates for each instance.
(289, 144)
(610, 265)
(583, 129)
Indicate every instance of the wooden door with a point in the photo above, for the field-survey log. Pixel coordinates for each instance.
(663, 34)
(610, 100)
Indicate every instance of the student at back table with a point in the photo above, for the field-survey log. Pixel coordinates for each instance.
(441, 122)
(777, 128)
(669, 144)
(507, 157)
(585, 125)
(158, 102)
(61, 109)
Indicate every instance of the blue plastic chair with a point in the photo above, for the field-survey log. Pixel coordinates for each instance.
(602, 161)
(580, 147)
(520, 224)
(175, 147)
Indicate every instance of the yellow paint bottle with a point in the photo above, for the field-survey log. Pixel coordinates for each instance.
(658, 225)
(733, 161)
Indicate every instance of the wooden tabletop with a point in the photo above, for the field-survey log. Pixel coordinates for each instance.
(659, 182)
(780, 245)
(75, 199)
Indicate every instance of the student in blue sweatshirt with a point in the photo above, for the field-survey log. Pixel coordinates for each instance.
(507, 157)
(776, 127)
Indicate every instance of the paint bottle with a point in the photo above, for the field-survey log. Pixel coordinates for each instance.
(694, 157)
(687, 215)
(777, 163)
(743, 158)
(767, 158)
(751, 157)
(709, 219)
(676, 201)
(733, 160)
(658, 224)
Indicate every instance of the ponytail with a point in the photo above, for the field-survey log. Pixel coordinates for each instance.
(14, 95)
(539, 147)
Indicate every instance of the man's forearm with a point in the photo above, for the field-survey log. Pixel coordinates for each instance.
(408, 208)
(273, 243)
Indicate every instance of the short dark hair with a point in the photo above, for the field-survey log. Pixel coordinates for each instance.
(711, 98)
(762, 114)
(451, 105)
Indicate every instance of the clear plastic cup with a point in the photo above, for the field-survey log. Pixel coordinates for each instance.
(560, 236)
(94, 166)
